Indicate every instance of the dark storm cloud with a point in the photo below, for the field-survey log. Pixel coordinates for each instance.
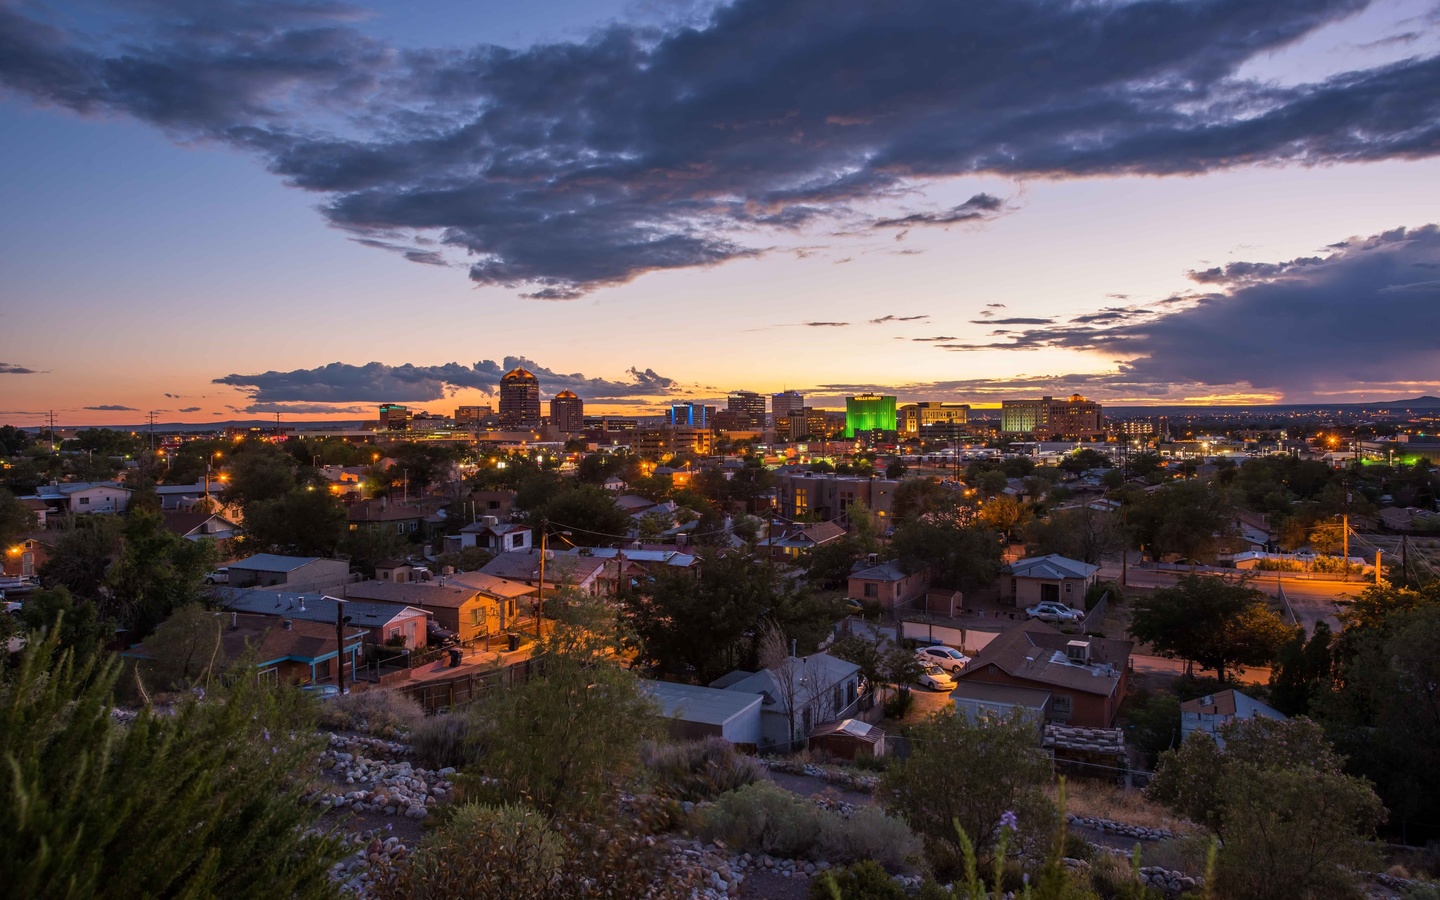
(562, 167)
(377, 382)
(301, 409)
(12, 369)
(111, 407)
(979, 208)
(1341, 322)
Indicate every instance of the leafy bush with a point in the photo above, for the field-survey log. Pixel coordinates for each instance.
(899, 705)
(765, 818)
(700, 770)
(372, 711)
(865, 880)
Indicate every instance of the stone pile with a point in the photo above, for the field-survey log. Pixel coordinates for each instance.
(1172, 884)
(373, 775)
(840, 776)
(353, 873)
(1110, 826)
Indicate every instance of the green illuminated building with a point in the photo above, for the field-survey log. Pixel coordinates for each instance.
(869, 412)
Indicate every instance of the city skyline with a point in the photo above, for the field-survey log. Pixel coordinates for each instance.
(1202, 202)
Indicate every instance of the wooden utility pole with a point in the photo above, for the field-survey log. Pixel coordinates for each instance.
(540, 596)
(1405, 560)
(340, 641)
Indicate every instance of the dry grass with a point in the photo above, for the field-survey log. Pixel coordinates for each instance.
(1105, 801)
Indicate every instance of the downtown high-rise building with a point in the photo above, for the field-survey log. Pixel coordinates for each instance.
(394, 417)
(785, 403)
(519, 400)
(567, 413)
(1047, 417)
(747, 410)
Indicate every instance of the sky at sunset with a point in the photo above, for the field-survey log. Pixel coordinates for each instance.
(217, 210)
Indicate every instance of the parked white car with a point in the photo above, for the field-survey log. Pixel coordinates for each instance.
(936, 679)
(947, 658)
(1050, 611)
(219, 576)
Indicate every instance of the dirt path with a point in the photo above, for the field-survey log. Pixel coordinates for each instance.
(807, 785)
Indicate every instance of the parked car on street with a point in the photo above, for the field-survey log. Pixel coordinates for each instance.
(323, 691)
(936, 679)
(947, 658)
(1050, 611)
(219, 576)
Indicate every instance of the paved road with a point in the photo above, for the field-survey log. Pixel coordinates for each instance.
(1312, 601)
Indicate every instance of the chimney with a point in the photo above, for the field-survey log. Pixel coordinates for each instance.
(234, 621)
(287, 624)
(302, 602)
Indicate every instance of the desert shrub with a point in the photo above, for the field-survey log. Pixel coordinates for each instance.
(868, 834)
(514, 851)
(865, 880)
(700, 770)
(1115, 878)
(765, 818)
(1076, 847)
(372, 711)
(445, 740)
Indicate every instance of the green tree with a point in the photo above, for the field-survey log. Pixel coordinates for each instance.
(259, 475)
(1291, 822)
(157, 572)
(1182, 518)
(300, 523)
(1302, 673)
(15, 518)
(184, 648)
(958, 552)
(14, 441)
(75, 623)
(1086, 534)
(1384, 713)
(969, 774)
(201, 803)
(567, 742)
(1206, 620)
(586, 510)
(81, 558)
(699, 628)
(1003, 514)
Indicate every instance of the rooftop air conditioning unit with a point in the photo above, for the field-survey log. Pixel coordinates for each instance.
(1078, 652)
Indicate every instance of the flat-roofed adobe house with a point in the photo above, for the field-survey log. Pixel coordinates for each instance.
(470, 612)
(887, 584)
(1085, 677)
(293, 573)
(383, 622)
(292, 651)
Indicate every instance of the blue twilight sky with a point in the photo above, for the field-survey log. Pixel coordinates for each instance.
(223, 208)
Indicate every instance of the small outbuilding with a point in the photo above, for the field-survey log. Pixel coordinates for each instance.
(694, 712)
(848, 739)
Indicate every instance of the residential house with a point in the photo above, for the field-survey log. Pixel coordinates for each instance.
(491, 503)
(24, 557)
(976, 700)
(293, 651)
(800, 493)
(413, 520)
(40, 508)
(193, 526)
(514, 600)
(1084, 677)
(887, 584)
(382, 622)
(793, 540)
(400, 571)
(580, 572)
(1052, 578)
(294, 573)
(630, 504)
(1208, 713)
(83, 497)
(186, 496)
(798, 695)
(489, 533)
(693, 712)
(471, 612)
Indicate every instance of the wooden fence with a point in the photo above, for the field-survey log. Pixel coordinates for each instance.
(453, 693)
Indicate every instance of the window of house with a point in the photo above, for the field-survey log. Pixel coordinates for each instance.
(872, 589)
(1061, 707)
(839, 698)
(84, 501)
(270, 675)
(1067, 587)
(414, 525)
(399, 527)
(805, 723)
